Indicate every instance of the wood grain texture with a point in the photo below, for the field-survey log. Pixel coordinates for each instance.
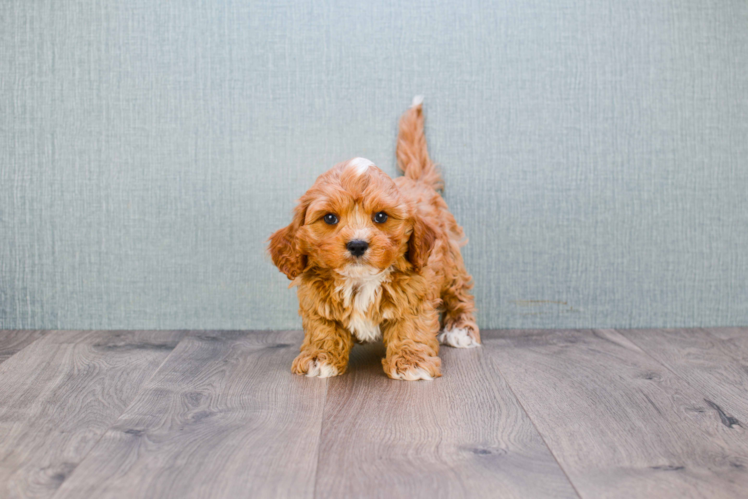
(12, 341)
(648, 413)
(60, 394)
(714, 361)
(619, 423)
(735, 340)
(223, 417)
(463, 435)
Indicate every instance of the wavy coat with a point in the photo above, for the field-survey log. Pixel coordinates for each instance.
(410, 283)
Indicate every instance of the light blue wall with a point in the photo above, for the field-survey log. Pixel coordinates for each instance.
(596, 152)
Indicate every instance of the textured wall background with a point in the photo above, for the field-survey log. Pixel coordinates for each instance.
(595, 151)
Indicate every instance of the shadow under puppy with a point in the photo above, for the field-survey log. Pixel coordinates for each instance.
(376, 258)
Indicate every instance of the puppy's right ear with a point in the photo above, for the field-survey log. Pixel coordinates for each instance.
(284, 248)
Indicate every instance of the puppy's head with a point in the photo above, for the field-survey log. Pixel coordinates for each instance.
(353, 217)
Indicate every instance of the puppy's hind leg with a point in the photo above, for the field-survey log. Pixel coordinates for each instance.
(459, 328)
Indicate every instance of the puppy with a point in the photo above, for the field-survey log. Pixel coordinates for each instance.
(375, 258)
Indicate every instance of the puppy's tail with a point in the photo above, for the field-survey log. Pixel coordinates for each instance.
(412, 153)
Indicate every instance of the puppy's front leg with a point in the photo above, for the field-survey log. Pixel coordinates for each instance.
(412, 347)
(325, 350)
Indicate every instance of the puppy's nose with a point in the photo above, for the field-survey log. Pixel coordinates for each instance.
(357, 247)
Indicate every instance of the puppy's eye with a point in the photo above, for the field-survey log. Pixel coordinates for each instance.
(380, 217)
(331, 219)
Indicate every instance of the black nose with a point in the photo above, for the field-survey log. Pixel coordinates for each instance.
(357, 247)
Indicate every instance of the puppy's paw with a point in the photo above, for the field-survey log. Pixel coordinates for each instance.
(313, 367)
(459, 337)
(399, 368)
(416, 373)
(317, 368)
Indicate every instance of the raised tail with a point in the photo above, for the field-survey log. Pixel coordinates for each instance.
(412, 153)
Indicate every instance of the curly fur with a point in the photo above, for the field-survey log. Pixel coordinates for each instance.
(411, 274)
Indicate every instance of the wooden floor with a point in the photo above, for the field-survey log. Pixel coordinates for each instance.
(593, 413)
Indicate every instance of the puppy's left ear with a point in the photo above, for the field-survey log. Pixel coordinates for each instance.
(421, 243)
(284, 248)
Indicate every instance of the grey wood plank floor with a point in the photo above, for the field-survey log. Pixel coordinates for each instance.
(463, 436)
(223, 417)
(12, 341)
(717, 367)
(59, 394)
(619, 423)
(548, 413)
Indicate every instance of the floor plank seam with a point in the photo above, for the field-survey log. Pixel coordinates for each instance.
(319, 439)
(550, 450)
(46, 332)
(666, 367)
(114, 422)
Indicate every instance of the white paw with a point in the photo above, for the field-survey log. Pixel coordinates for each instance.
(321, 370)
(457, 337)
(412, 374)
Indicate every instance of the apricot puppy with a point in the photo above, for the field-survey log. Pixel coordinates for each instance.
(375, 258)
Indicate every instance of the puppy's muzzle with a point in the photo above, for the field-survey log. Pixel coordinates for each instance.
(357, 247)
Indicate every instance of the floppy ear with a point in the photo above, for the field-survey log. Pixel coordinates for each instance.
(284, 249)
(421, 243)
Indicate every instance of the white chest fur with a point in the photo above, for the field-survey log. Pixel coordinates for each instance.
(360, 288)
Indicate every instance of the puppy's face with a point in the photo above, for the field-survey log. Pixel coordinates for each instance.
(352, 217)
